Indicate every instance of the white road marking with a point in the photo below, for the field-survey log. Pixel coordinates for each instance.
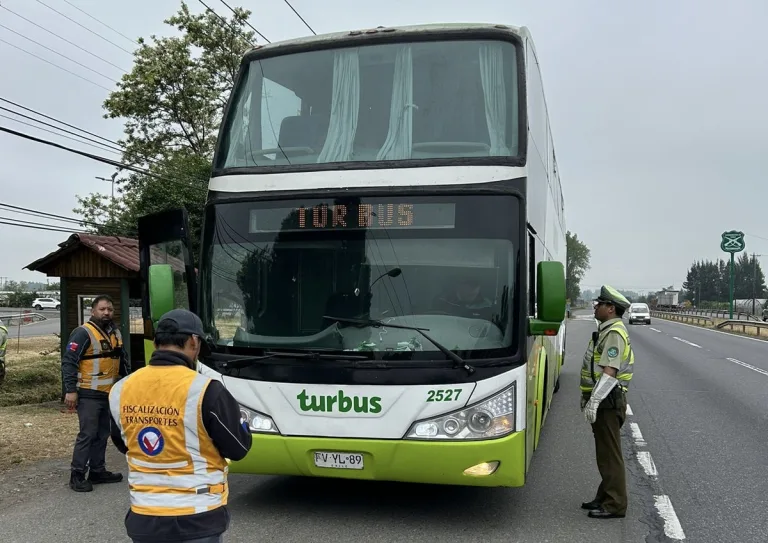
(637, 435)
(753, 368)
(715, 331)
(655, 330)
(644, 457)
(687, 342)
(672, 527)
(629, 411)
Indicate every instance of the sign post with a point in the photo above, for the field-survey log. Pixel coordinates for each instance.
(732, 242)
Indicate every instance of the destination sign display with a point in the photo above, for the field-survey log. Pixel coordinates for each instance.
(353, 216)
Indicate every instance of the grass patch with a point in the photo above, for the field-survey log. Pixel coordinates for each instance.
(33, 371)
(29, 433)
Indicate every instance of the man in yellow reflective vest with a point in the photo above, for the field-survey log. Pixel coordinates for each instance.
(605, 374)
(3, 347)
(177, 428)
(93, 361)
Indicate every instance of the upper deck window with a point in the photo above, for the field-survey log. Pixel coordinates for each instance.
(399, 101)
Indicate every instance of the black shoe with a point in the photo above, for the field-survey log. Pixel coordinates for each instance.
(602, 513)
(591, 506)
(79, 483)
(100, 477)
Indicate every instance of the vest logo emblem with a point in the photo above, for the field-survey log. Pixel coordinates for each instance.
(151, 441)
(613, 352)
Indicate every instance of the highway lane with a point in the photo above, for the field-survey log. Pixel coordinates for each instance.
(51, 324)
(704, 419)
(563, 475)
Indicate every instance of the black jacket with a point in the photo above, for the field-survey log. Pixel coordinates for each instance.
(79, 340)
(221, 418)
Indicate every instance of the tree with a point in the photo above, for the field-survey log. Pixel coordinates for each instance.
(577, 264)
(172, 102)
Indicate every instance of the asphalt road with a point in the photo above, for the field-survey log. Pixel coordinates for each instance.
(36, 504)
(700, 400)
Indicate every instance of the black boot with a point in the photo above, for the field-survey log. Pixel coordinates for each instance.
(591, 506)
(100, 477)
(79, 483)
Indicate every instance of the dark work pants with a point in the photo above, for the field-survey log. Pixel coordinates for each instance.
(212, 539)
(91, 444)
(612, 492)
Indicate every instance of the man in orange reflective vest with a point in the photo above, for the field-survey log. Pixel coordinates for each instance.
(177, 428)
(92, 363)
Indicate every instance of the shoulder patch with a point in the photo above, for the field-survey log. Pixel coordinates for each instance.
(613, 352)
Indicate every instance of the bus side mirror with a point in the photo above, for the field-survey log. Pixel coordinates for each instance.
(161, 291)
(550, 299)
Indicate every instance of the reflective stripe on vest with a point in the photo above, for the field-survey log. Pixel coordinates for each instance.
(174, 468)
(99, 368)
(624, 375)
(4, 344)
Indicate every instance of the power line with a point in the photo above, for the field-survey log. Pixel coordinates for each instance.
(118, 146)
(115, 147)
(54, 64)
(101, 22)
(55, 133)
(56, 120)
(97, 158)
(297, 15)
(50, 228)
(62, 38)
(85, 27)
(57, 53)
(26, 211)
(246, 22)
(21, 222)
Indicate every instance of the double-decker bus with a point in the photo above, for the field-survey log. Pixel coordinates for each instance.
(381, 274)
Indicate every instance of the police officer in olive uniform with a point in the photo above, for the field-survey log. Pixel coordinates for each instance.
(605, 375)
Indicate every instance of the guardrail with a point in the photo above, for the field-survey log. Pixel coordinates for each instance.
(723, 314)
(21, 319)
(683, 317)
(733, 325)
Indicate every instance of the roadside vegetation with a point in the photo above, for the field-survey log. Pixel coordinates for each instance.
(34, 425)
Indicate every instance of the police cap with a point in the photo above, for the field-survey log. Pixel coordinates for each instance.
(610, 295)
(186, 322)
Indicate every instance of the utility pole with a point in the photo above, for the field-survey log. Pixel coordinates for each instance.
(111, 180)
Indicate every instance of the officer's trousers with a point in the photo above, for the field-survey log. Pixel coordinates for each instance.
(612, 492)
(212, 539)
(91, 444)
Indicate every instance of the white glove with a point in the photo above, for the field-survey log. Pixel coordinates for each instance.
(603, 387)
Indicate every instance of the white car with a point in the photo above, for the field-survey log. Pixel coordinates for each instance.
(639, 313)
(46, 303)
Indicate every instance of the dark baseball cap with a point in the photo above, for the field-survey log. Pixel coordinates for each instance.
(186, 322)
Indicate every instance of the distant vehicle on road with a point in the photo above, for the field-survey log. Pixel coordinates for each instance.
(46, 303)
(639, 313)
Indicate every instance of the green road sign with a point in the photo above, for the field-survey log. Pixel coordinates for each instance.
(732, 242)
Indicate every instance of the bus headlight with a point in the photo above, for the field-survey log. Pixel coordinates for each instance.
(258, 422)
(492, 417)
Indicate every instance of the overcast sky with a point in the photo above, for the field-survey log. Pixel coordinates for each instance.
(658, 111)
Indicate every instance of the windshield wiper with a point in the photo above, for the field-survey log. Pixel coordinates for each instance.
(379, 324)
(243, 361)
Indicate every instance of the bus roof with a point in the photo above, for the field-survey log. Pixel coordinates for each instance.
(368, 33)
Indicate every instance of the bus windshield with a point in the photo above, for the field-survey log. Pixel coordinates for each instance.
(397, 101)
(274, 271)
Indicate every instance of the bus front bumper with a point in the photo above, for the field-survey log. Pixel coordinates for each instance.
(453, 463)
